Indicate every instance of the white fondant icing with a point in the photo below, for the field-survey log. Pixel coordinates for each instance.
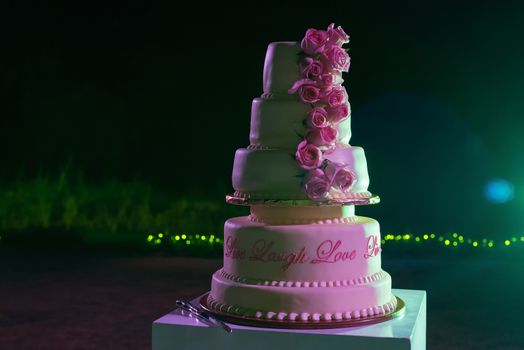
(302, 215)
(311, 300)
(281, 67)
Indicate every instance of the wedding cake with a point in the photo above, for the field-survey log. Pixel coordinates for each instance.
(302, 255)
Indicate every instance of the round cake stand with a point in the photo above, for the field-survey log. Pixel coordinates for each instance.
(364, 200)
(298, 324)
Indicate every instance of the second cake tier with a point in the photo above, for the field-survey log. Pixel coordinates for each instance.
(280, 123)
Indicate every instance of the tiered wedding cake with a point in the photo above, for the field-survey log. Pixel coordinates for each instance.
(302, 255)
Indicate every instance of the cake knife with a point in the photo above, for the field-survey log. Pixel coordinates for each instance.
(203, 315)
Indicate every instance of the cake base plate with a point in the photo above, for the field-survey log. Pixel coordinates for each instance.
(258, 322)
(237, 200)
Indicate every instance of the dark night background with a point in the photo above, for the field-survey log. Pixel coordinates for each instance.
(161, 96)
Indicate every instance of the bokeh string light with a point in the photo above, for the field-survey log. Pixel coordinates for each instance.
(454, 240)
(181, 239)
(447, 240)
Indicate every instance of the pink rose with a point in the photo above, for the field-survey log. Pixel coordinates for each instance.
(311, 67)
(307, 90)
(323, 136)
(316, 185)
(337, 36)
(297, 84)
(308, 156)
(338, 58)
(338, 113)
(340, 176)
(317, 118)
(326, 81)
(336, 96)
(309, 93)
(314, 41)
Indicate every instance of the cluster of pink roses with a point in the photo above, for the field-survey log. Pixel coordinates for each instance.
(319, 182)
(321, 86)
(323, 66)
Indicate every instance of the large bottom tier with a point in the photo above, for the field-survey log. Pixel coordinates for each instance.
(353, 300)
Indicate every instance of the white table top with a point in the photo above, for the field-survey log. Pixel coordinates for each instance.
(402, 327)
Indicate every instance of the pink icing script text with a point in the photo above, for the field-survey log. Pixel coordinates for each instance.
(261, 251)
(232, 251)
(373, 247)
(329, 252)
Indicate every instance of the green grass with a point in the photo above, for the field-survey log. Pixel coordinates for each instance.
(111, 211)
(66, 208)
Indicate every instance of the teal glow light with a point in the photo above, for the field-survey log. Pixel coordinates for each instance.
(498, 191)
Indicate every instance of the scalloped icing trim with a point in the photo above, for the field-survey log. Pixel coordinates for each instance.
(290, 196)
(260, 147)
(304, 284)
(257, 146)
(335, 220)
(296, 195)
(280, 96)
(305, 316)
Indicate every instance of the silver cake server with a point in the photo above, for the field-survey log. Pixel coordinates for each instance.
(202, 315)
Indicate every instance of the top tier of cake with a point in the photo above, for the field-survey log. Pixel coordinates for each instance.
(281, 68)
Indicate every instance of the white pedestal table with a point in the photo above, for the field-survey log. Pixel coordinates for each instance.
(179, 330)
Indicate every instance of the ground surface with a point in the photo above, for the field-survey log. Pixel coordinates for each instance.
(67, 299)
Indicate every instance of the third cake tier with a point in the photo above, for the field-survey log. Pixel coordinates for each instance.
(274, 174)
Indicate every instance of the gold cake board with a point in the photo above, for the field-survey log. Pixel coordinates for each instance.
(258, 322)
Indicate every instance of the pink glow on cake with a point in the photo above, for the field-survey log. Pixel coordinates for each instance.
(303, 264)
